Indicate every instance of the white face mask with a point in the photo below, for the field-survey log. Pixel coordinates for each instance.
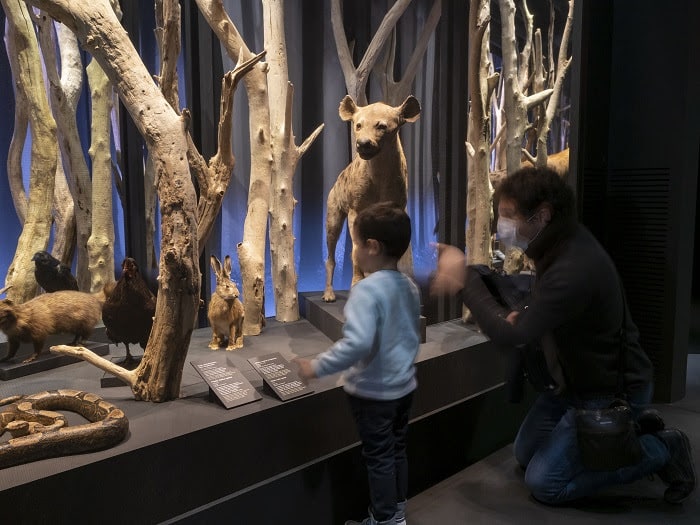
(507, 230)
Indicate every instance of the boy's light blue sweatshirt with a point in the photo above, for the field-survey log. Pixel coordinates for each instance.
(380, 338)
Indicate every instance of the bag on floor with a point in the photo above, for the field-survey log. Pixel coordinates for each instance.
(607, 437)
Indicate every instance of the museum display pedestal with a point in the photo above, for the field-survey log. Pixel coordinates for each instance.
(271, 461)
(16, 368)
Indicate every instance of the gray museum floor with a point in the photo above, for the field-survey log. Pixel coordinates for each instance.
(491, 491)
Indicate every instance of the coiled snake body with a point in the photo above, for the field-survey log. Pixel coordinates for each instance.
(39, 433)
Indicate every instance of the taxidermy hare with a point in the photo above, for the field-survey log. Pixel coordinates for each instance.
(225, 309)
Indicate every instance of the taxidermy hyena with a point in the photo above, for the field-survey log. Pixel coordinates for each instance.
(66, 311)
(377, 173)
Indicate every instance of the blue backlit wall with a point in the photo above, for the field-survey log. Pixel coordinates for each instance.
(318, 88)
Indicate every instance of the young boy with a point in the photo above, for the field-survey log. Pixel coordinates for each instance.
(379, 345)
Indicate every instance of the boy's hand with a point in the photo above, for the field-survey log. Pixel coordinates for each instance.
(306, 371)
(450, 275)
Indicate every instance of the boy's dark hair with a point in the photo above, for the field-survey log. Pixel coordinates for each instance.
(529, 187)
(387, 224)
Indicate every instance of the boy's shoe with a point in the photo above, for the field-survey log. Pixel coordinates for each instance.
(679, 472)
(371, 521)
(400, 516)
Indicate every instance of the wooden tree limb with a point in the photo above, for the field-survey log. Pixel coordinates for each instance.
(168, 37)
(537, 98)
(216, 16)
(384, 68)
(356, 78)
(309, 140)
(386, 27)
(215, 176)
(341, 42)
(242, 68)
(130, 377)
(550, 46)
(524, 62)
(402, 88)
(529, 156)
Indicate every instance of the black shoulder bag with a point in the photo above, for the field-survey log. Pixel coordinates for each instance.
(607, 437)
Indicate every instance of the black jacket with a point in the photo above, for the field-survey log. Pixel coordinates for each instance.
(578, 300)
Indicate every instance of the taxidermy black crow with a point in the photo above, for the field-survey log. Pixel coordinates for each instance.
(51, 274)
(129, 309)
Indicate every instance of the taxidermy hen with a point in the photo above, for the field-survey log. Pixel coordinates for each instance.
(51, 274)
(129, 309)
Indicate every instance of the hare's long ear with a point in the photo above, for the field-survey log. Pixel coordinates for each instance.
(215, 265)
(227, 266)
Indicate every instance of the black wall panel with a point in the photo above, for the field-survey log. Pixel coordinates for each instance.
(638, 163)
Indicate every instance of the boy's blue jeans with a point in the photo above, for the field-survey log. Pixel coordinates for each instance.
(546, 446)
(382, 426)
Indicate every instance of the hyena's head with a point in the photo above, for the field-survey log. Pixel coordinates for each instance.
(377, 124)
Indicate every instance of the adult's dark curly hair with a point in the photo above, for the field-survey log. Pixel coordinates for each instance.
(530, 187)
(386, 223)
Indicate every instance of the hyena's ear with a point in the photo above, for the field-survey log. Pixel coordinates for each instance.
(347, 108)
(410, 109)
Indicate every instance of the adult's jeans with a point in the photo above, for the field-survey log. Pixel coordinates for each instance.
(547, 447)
(383, 426)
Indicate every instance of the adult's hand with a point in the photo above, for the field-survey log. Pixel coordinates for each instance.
(451, 270)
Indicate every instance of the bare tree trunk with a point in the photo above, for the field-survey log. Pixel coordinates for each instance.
(37, 224)
(19, 134)
(285, 156)
(159, 374)
(516, 104)
(563, 64)
(167, 31)
(64, 94)
(251, 251)
(101, 242)
(479, 191)
(63, 218)
(214, 177)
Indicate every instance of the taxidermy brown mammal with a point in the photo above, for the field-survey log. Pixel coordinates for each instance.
(226, 311)
(378, 173)
(64, 311)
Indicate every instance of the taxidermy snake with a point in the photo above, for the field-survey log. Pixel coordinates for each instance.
(38, 432)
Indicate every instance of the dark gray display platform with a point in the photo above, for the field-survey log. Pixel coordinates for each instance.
(192, 461)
